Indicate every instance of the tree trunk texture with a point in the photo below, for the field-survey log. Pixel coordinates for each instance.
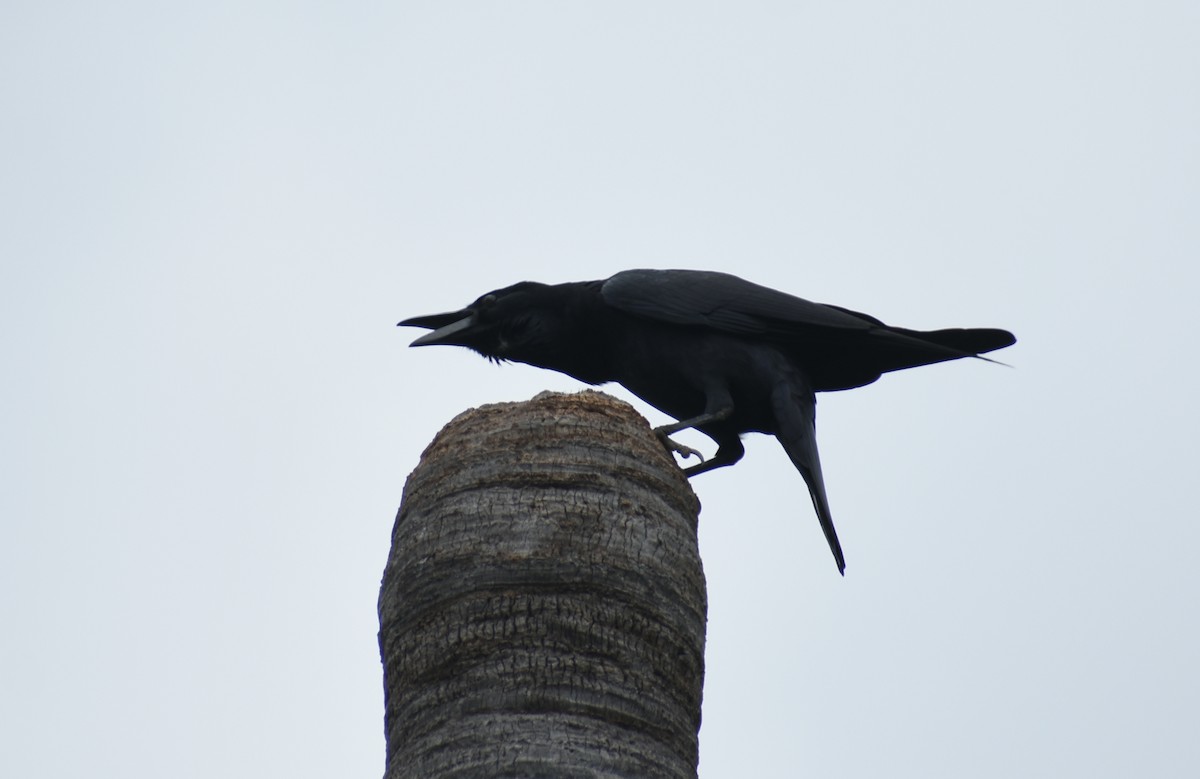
(543, 607)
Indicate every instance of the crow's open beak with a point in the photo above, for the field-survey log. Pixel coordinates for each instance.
(444, 326)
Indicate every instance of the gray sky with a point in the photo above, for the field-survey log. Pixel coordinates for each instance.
(214, 214)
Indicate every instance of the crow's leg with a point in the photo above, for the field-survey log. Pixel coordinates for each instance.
(709, 416)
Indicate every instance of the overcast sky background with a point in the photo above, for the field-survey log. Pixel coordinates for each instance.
(213, 215)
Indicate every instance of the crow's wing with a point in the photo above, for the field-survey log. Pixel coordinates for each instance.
(723, 302)
(839, 348)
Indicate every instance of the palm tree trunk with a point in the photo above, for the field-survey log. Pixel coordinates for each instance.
(543, 607)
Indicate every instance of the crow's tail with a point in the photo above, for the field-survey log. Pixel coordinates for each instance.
(795, 408)
(966, 341)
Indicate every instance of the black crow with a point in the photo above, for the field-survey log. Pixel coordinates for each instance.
(716, 352)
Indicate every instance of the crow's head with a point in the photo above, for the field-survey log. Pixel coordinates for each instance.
(514, 323)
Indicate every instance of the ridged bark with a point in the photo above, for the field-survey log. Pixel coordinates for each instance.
(543, 607)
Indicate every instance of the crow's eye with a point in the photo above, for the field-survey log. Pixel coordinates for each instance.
(487, 300)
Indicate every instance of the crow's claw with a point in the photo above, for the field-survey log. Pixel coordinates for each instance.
(672, 445)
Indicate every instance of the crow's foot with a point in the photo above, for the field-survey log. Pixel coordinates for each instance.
(672, 445)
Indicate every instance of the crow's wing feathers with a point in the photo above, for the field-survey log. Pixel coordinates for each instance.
(839, 348)
(723, 302)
